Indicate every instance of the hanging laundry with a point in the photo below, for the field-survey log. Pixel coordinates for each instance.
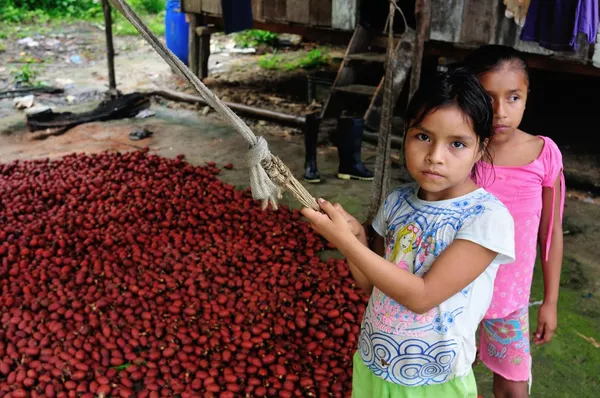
(556, 24)
(239, 20)
(517, 9)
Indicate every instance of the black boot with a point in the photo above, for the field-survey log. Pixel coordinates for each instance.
(349, 143)
(311, 134)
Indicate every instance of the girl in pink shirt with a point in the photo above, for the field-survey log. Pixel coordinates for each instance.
(527, 177)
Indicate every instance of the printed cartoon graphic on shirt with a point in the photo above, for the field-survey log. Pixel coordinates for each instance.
(403, 248)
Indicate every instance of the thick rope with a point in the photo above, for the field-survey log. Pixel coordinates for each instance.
(261, 182)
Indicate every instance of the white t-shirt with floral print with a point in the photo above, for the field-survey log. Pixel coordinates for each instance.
(412, 349)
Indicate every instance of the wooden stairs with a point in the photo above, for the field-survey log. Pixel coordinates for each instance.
(358, 87)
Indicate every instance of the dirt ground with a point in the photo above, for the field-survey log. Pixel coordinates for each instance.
(202, 137)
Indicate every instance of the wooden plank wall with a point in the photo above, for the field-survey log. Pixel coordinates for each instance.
(316, 13)
(480, 19)
(477, 22)
(274, 10)
(343, 14)
(446, 20)
(298, 12)
(257, 10)
(320, 13)
(191, 6)
(212, 7)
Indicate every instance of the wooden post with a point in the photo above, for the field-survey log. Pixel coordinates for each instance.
(193, 43)
(204, 34)
(423, 17)
(381, 180)
(110, 50)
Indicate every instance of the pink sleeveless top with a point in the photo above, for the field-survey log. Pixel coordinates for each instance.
(520, 190)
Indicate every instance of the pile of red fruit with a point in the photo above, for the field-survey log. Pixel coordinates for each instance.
(131, 275)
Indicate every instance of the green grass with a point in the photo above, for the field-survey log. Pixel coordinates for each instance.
(155, 22)
(254, 37)
(295, 60)
(17, 23)
(568, 366)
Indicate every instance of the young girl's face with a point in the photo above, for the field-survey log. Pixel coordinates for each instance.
(440, 153)
(508, 88)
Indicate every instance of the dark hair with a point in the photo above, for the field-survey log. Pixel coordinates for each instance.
(459, 88)
(491, 57)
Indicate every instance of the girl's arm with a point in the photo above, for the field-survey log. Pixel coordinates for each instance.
(552, 264)
(378, 246)
(361, 280)
(362, 233)
(455, 268)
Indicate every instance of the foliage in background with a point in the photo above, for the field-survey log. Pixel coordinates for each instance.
(255, 37)
(25, 76)
(27, 11)
(312, 59)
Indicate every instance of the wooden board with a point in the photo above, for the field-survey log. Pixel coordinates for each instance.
(343, 14)
(191, 6)
(274, 10)
(257, 10)
(320, 12)
(446, 20)
(480, 18)
(358, 89)
(297, 11)
(212, 7)
(367, 57)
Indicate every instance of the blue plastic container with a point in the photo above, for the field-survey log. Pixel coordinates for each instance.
(177, 31)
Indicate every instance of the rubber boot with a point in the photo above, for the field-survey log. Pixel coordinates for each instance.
(349, 143)
(311, 134)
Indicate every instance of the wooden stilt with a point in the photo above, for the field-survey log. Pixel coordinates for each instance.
(110, 50)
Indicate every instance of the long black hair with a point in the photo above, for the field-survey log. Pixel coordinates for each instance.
(492, 57)
(460, 88)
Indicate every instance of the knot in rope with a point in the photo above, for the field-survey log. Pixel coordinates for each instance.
(262, 187)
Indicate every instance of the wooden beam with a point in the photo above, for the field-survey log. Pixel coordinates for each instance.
(534, 61)
(381, 179)
(110, 49)
(317, 34)
(423, 16)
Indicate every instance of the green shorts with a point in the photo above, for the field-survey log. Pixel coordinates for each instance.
(366, 385)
